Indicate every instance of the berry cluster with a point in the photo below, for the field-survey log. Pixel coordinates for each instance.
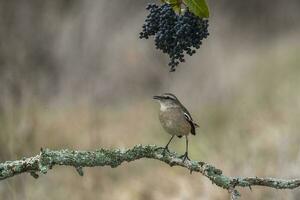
(174, 34)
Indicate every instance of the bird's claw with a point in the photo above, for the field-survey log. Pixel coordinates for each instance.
(185, 157)
(165, 149)
(158, 148)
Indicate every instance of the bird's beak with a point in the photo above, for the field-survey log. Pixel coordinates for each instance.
(157, 97)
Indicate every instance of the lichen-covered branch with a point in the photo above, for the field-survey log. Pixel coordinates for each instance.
(103, 157)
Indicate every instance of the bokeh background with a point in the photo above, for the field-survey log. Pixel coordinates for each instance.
(73, 74)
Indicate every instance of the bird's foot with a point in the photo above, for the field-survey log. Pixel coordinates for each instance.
(185, 157)
(165, 149)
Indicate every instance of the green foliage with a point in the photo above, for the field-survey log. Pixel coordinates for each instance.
(198, 7)
(176, 5)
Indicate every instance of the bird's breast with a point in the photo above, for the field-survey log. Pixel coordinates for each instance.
(174, 123)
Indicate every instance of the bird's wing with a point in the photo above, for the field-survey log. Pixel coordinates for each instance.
(189, 119)
(189, 115)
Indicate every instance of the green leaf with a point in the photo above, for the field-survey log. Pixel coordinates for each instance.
(172, 2)
(176, 8)
(175, 5)
(198, 7)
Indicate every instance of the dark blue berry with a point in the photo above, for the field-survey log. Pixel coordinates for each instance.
(174, 34)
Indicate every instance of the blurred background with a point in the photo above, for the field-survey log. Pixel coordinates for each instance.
(74, 74)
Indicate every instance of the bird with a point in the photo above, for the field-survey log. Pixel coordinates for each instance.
(175, 119)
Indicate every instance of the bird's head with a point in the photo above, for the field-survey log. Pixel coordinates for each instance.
(167, 100)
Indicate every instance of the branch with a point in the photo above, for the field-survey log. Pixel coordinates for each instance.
(103, 157)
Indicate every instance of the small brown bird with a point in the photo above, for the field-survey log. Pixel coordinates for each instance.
(175, 119)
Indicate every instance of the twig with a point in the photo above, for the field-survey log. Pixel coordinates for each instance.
(103, 157)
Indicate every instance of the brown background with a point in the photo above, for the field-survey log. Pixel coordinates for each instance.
(73, 74)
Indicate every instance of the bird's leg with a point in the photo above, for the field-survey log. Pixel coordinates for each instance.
(166, 147)
(185, 155)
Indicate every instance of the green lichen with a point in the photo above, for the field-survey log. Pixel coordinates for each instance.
(105, 157)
